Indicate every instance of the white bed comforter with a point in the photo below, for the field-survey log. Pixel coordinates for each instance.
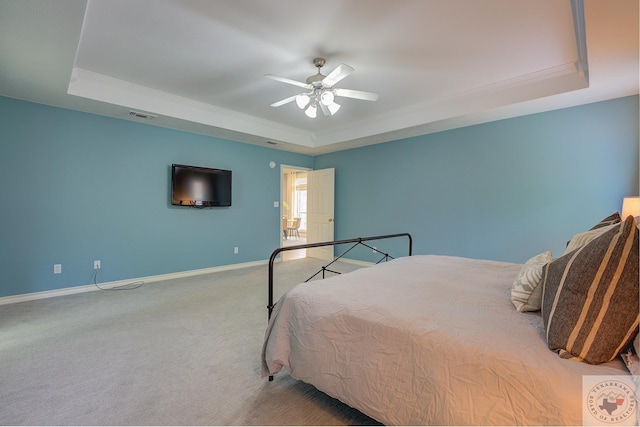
(427, 340)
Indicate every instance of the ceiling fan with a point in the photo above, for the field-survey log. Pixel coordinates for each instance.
(320, 91)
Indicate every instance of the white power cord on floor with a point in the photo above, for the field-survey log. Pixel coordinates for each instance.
(125, 287)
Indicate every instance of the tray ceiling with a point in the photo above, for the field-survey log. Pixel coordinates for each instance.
(200, 65)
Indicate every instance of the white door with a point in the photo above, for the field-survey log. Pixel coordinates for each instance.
(320, 204)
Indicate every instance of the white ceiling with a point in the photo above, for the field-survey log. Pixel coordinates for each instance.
(199, 65)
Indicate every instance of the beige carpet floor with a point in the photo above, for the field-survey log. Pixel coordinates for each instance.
(177, 352)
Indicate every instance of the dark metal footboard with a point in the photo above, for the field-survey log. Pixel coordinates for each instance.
(359, 241)
(356, 242)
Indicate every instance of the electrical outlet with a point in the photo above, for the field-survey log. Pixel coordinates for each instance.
(96, 264)
(57, 268)
(235, 250)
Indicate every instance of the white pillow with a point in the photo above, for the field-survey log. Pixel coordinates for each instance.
(526, 291)
(631, 357)
(581, 239)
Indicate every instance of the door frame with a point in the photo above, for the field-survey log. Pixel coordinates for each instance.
(282, 168)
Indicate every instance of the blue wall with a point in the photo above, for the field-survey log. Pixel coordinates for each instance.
(78, 187)
(504, 190)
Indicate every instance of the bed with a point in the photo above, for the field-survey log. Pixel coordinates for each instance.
(439, 340)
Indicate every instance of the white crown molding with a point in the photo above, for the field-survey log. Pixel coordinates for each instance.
(88, 84)
(554, 80)
(539, 84)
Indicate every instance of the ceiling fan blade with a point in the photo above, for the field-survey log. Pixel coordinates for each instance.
(357, 94)
(289, 81)
(341, 71)
(284, 101)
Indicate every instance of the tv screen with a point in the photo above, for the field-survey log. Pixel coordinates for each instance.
(200, 187)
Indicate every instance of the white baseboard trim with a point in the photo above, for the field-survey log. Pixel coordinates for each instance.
(12, 299)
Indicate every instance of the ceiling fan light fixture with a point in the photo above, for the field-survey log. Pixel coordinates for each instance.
(312, 111)
(302, 100)
(333, 108)
(327, 98)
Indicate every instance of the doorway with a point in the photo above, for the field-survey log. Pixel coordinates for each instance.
(293, 210)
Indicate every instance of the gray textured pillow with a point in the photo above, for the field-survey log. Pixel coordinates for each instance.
(526, 291)
(614, 218)
(581, 239)
(590, 297)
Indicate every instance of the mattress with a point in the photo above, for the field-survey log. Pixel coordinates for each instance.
(427, 340)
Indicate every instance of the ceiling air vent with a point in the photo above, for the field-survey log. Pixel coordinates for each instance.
(141, 115)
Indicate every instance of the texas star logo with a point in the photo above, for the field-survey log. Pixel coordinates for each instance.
(611, 401)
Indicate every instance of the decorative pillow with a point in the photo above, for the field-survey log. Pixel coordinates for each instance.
(633, 363)
(614, 218)
(581, 239)
(526, 291)
(590, 297)
(630, 357)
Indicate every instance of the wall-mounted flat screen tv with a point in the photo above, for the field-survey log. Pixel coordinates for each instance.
(200, 187)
